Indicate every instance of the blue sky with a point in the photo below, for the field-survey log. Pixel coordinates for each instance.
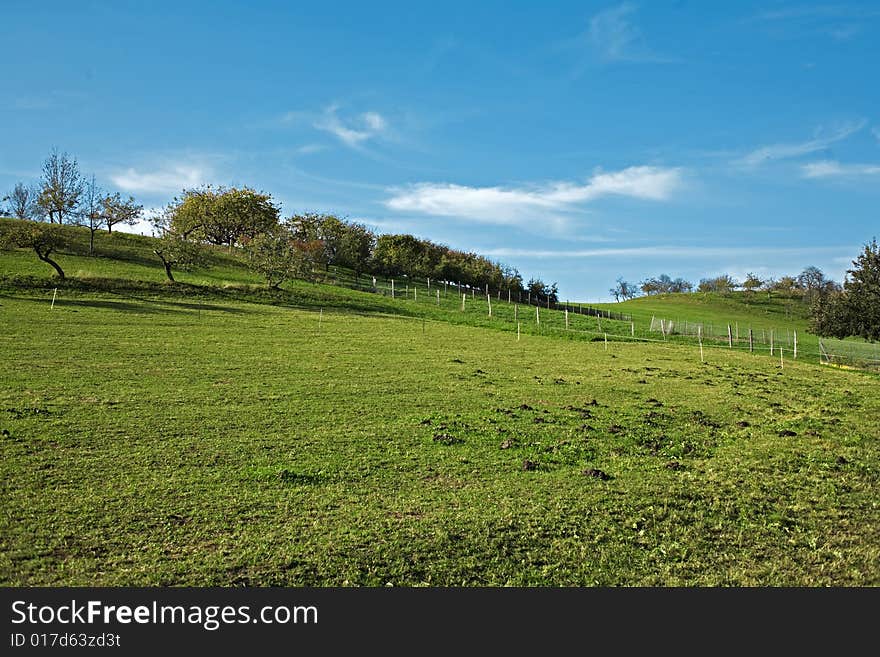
(577, 141)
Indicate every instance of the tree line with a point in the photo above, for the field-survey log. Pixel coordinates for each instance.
(851, 309)
(244, 218)
(809, 284)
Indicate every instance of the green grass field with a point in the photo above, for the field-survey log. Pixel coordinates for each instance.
(226, 435)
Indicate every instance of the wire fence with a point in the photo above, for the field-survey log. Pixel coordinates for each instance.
(407, 286)
(850, 353)
(506, 310)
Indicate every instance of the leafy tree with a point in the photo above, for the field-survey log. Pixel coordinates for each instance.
(723, 283)
(811, 279)
(787, 284)
(42, 238)
(663, 284)
(862, 289)
(273, 254)
(279, 255)
(854, 310)
(223, 216)
(542, 291)
(120, 211)
(356, 249)
(177, 252)
(752, 282)
(23, 202)
(61, 187)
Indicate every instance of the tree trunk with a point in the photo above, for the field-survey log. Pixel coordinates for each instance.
(110, 228)
(48, 260)
(166, 264)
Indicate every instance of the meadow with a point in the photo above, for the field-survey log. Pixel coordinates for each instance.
(216, 433)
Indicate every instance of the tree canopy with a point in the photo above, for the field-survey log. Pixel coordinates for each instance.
(854, 310)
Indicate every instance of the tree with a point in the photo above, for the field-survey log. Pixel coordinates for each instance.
(43, 239)
(239, 213)
(223, 216)
(120, 211)
(723, 283)
(91, 211)
(175, 251)
(752, 283)
(623, 290)
(357, 248)
(862, 289)
(811, 278)
(854, 310)
(663, 284)
(537, 288)
(61, 187)
(279, 255)
(23, 202)
(785, 284)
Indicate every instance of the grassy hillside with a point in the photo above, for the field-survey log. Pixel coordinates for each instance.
(230, 435)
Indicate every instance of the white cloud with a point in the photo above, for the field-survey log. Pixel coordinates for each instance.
(666, 251)
(785, 151)
(615, 38)
(144, 226)
(353, 131)
(500, 205)
(308, 149)
(171, 178)
(833, 169)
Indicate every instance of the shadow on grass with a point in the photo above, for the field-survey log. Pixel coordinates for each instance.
(148, 306)
(193, 297)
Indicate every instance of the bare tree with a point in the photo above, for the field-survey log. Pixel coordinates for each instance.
(61, 187)
(91, 211)
(623, 290)
(22, 202)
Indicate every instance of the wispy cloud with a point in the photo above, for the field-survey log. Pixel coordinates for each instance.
(515, 205)
(876, 133)
(841, 22)
(352, 131)
(170, 178)
(833, 169)
(667, 251)
(308, 149)
(822, 140)
(615, 37)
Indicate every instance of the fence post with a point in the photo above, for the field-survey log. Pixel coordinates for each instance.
(489, 301)
(438, 297)
(566, 319)
(392, 288)
(771, 342)
(537, 315)
(751, 341)
(795, 344)
(729, 338)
